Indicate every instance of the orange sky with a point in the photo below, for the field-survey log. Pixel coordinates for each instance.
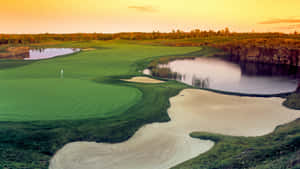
(67, 16)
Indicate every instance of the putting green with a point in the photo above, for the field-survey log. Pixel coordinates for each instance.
(35, 91)
(56, 99)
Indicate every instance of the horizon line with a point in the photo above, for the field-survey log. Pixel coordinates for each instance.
(60, 33)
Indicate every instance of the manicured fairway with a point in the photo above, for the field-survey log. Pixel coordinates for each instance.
(56, 99)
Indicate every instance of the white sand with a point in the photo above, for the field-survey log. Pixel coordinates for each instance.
(200, 110)
(163, 145)
(142, 79)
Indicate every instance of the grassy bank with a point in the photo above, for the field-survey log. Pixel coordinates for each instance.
(293, 101)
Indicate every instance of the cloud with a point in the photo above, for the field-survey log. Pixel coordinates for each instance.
(143, 8)
(296, 26)
(278, 21)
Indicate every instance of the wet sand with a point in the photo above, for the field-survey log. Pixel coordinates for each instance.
(163, 145)
(142, 79)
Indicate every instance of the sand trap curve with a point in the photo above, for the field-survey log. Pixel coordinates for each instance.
(142, 79)
(163, 145)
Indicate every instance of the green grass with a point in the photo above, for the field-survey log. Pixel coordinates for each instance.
(59, 99)
(7, 64)
(293, 101)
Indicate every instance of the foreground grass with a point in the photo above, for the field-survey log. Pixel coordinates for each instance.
(279, 150)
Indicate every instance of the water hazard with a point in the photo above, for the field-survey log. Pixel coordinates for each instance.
(25, 53)
(225, 75)
(46, 53)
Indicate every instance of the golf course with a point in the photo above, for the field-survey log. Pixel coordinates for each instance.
(98, 95)
(161, 84)
(89, 103)
(37, 92)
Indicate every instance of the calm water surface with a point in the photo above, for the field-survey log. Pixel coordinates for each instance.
(46, 53)
(225, 75)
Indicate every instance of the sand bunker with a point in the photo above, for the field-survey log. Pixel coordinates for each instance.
(142, 79)
(163, 145)
(200, 110)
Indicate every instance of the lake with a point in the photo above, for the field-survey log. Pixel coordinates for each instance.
(46, 53)
(230, 76)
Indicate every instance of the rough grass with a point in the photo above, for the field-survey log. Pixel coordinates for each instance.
(293, 101)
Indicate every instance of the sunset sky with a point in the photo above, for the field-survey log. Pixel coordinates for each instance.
(68, 16)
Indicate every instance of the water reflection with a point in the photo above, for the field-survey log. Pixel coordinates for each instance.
(227, 75)
(261, 69)
(200, 83)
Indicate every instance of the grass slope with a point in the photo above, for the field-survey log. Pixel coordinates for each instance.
(293, 101)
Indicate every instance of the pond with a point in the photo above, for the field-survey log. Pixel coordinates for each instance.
(46, 53)
(226, 75)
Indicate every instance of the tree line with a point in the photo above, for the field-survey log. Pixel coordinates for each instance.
(175, 34)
